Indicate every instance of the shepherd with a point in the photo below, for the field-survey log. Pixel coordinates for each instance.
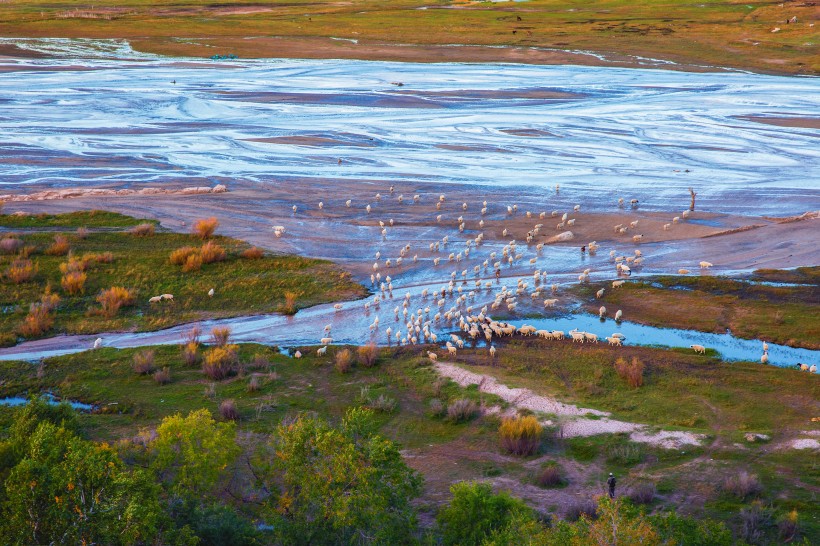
(611, 483)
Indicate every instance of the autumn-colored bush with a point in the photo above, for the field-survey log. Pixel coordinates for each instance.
(21, 270)
(143, 362)
(59, 247)
(520, 435)
(163, 376)
(743, 485)
(228, 410)
(252, 253)
(367, 355)
(142, 230)
(631, 372)
(254, 383)
(180, 255)
(212, 252)
(38, 321)
(289, 307)
(205, 227)
(74, 282)
(114, 298)
(190, 353)
(343, 361)
(99, 258)
(220, 362)
(82, 233)
(221, 335)
(73, 264)
(26, 251)
(10, 245)
(193, 263)
(49, 299)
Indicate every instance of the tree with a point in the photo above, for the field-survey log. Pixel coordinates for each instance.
(475, 513)
(191, 453)
(344, 485)
(66, 490)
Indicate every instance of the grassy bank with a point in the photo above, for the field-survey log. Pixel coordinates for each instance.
(713, 33)
(244, 282)
(780, 314)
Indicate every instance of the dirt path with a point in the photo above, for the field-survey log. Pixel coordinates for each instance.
(572, 420)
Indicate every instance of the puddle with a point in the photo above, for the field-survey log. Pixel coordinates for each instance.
(50, 398)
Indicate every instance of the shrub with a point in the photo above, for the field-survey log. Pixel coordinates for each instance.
(367, 355)
(228, 410)
(21, 270)
(254, 383)
(206, 227)
(190, 353)
(74, 265)
(289, 307)
(753, 518)
(142, 230)
(180, 255)
(212, 252)
(114, 298)
(163, 376)
(584, 507)
(38, 321)
(436, 407)
(520, 435)
(549, 476)
(82, 233)
(259, 361)
(192, 263)
(343, 361)
(74, 282)
(143, 362)
(49, 300)
(100, 258)
(743, 485)
(626, 454)
(221, 335)
(787, 526)
(631, 372)
(383, 403)
(10, 245)
(219, 362)
(252, 253)
(642, 493)
(462, 410)
(193, 335)
(59, 247)
(26, 251)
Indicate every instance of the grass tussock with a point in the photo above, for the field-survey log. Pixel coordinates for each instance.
(21, 270)
(73, 282)
(289, 306)
(462, 410)
(550, 476)
(163, 376)
(59, 247)
(253, 253)
(114, 298)
(181, 255)
(343, 361)
(367, 355)
(212, 252)
(205, 228)
(81, 233)
(642, 493)
(142, 230)
(220, 362)
(10, 245)
(143, 362)
(743, 485)
(221, 336)
(190, 353)
(38, 321)
(630, 371)
(520, 435)
(583, 507)
(228, 410)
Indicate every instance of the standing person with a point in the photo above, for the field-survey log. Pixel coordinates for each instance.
(497, 274)
(611, 483)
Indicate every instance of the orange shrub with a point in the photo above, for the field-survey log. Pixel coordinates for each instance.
(368, 355)
(221, 335)
(82, 233)
(59, 247)
(212, 252)
(101, 258)
(219, 362)
(143, 362)
(206, 227)
(190, 353)
(289, 308)
(343, 361)
(74, 265)
(38, 321)
(180, 255)
(49, 300)
(21, 270)
(114, 298)
(520, 435)
(74, 282)
(192, 263)
(631, 372)
(252, 253)
(142, 230)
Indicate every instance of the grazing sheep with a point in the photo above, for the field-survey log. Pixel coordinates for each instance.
(765, 358)
(590, 337)
(155, 299)
(492, 351)
(813, 368)
(321, 205)
(705, 265)
(322, 351)
(667, 227)
(451, 350)
(338, 307)
(432, 356)
(326, 340)
(294, 208)
(618, 315)
(617, 284)
(98, 343)
(348, 203)
(297, 354)
(578, 337)
(700, 349)
(614, 341)
(550, 302)
(211, 293)
(167, 296)
(804, 367)
(683, 271)
(765, 347)
(602, 312)
(637, 238)
(599, 294)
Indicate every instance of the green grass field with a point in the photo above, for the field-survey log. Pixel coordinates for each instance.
(242, 286)
(710, 33)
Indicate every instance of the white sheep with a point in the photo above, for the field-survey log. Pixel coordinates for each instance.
(705, 265)
(617, 284)
(452, 351)
(297, 354)
(492, 351)
(432, 356)
(618, 315)
(98, 343)
(155, 299)
(765, 358)
(167, 296)
(322, 351)
(550, 302)
(211, 293)
(765, 347)
(321, 205)
(599, 294)
(700, 349)
(338, 307)
(813, 368)
(614, 341)
(602, 312)
(326, 340)
(348, 203)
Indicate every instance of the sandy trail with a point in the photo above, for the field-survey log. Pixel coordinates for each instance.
(571, 419)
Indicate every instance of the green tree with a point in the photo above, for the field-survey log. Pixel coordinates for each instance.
(340, 486)
(191, 453)
(476, 513)
(66, 490)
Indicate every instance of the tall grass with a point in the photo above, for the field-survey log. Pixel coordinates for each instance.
(367, 355)
(631, 372)
(114, 298)
(221, 335)
(59, 247)
(206, 227)
(143, 362)
(21, 270)
(462, 410)
(220, 362)
(38, 321)
(212, 252)
(228, 410)
(10, 245)
(142, 230)
(743, 485)
(520, 435)
(180, 255)
(252, 253)
(343, 361)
